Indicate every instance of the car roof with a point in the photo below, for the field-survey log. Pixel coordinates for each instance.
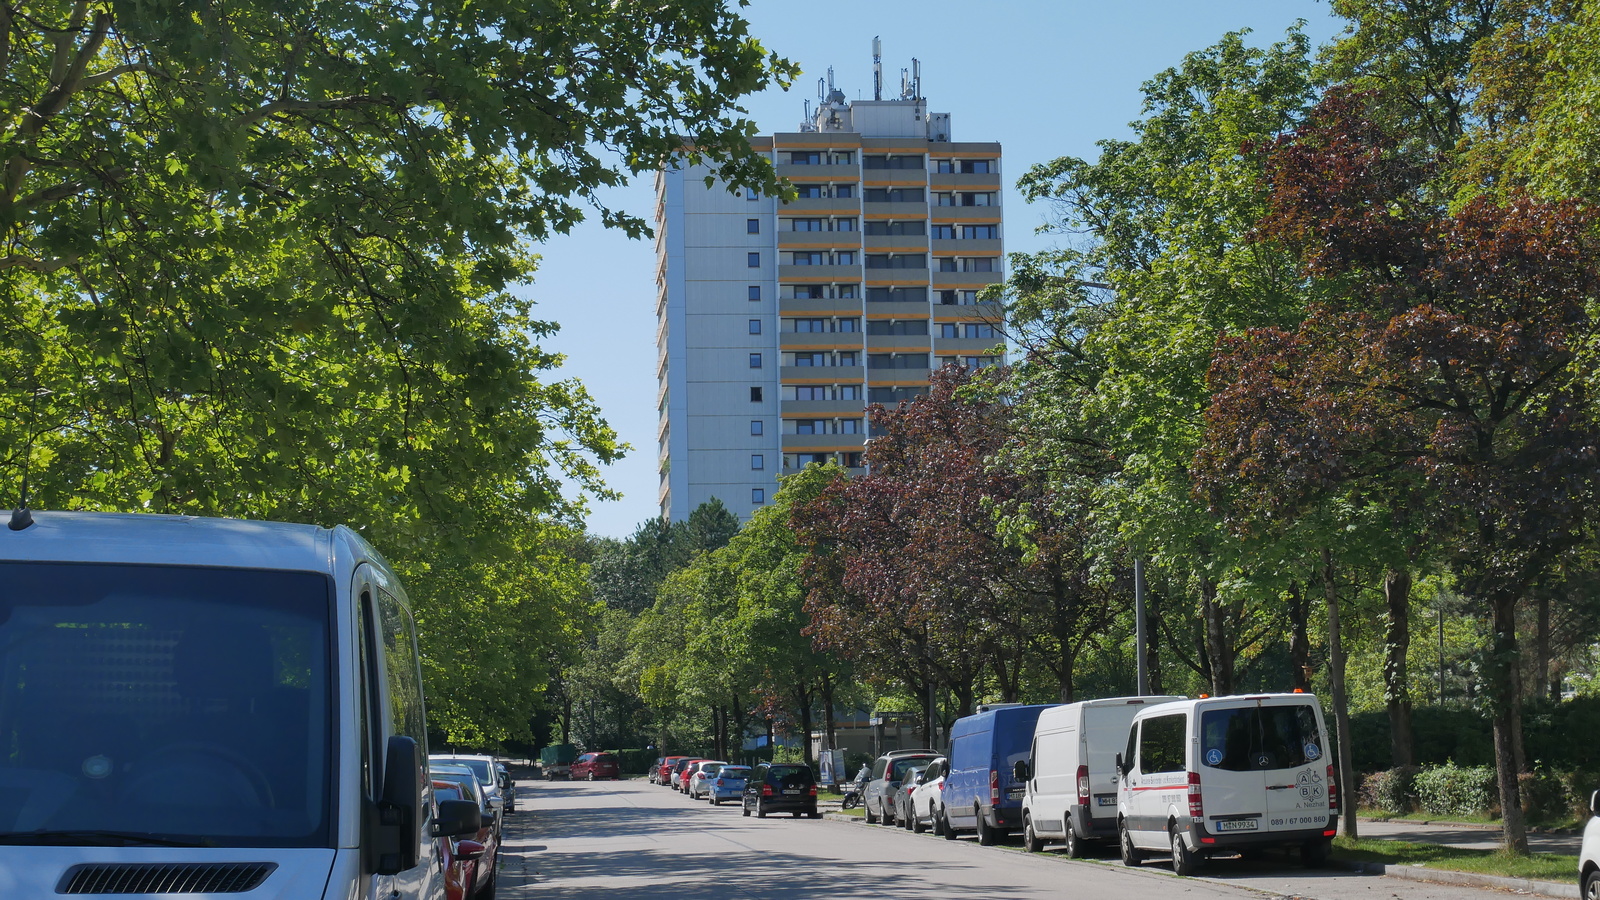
(145, 538)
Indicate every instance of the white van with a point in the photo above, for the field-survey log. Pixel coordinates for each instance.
(1223, 774)
(1071, 772)
(208, 706)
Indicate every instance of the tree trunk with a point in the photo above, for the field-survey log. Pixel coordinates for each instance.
(1503, 671)
(1348, 793)
(1152, 627)
(829, 727)
(1218, 653)
(1299, 638)
(1069, 664)
(1550, 687)
(1396, 677)
(805, 698)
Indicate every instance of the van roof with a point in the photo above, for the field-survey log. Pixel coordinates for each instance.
(145, 538)
(1203, 703)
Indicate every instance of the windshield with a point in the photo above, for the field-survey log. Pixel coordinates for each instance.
(479, 767)
(174, 703)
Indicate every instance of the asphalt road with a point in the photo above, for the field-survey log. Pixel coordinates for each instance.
(630, 839)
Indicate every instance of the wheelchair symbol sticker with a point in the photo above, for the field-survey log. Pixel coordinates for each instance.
(1213, 757)
(1313, 751)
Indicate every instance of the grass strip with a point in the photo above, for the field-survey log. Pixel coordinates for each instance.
(1536, 867)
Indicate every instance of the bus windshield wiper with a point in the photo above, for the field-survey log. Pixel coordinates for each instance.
(96, 839)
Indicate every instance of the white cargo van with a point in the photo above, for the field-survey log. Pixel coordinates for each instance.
(1224, 774)
(1071, 771)
(208, 706)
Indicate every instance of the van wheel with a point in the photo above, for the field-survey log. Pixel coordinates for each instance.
(1314, 854)
(1030, 838)
(1131, 856)
(986, 835)
(1184, 861)
(1072, 843)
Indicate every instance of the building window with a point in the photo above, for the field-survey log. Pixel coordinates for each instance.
(755, 424)
(849, 392)
(848, 359)
(758, 496)
(949, 329)
(944, 232)
(805, 158)
(755, 292)
(853, 325)
(844, 225)
(980, 331)
(810, 392)
(755, 360)
(893, 195)
(845, 191)
(948, 264)
(847, 291)
(753, 260)
(755, 395)
(980, 232)
(752, 226)
(979, 264)
(753, 195)
(804, 224)
(900, 229)
(758, 461)
(849, 426)
(808, 258)
(844, 258)
(810, 191)
(755, 326)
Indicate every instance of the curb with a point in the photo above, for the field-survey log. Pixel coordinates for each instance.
(1465, 879)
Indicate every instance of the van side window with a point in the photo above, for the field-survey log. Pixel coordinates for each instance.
(369, 698)
(404, 679)
(1161, 744)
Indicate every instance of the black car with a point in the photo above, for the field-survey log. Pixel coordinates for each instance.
(782, 787)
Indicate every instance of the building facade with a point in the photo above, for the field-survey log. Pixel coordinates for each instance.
(779, 323)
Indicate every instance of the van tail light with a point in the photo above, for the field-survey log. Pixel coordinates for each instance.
(1333, 791)
(994, 787)
(766, 790)
(1083, 785)
(1197, 809)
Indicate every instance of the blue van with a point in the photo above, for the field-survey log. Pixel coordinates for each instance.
(980, 792)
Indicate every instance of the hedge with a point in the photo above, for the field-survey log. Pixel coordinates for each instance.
(1557, 736)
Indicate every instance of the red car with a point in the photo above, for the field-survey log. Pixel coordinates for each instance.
(680, 775)
(664, 773)
(592, 766)
(458, 857)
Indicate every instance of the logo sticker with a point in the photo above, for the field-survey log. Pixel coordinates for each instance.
(1310, 786)
(1213, 757)
(1312, 751)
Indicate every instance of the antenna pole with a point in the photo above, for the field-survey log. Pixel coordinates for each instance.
(877, 69)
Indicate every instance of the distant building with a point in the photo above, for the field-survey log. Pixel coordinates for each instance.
(779, 323)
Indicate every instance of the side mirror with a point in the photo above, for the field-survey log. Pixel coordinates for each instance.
(457, 817)
(1594, 803)
(1121, 769)
(397, 839)
(469, 850)
(1022, 771)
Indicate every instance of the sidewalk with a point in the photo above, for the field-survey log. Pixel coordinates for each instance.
(1470, 837)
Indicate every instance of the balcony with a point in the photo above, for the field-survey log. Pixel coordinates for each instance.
(795, 306)
(898, 376)
(822, 409)
(956, 181)
(966, 346)
(822, 374)
(820, 206)
(824, 340)
(817, 274)
(895, 210)
(974, 312)
(978, 247)
(817, 173)
(890, 243)
(804, 443)
(896, 310)
(966, 279)
(967, 213)
(898, 343)
(813, 240)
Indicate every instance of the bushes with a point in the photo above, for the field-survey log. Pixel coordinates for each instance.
(1392, 791)
(1452, 790)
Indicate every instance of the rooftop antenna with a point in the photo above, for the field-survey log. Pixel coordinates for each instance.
(21, 516)
(877, 68)
(905, 84)
(830, 82)
(916, 78)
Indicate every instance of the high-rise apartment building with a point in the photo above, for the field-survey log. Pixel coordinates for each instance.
(778, 323)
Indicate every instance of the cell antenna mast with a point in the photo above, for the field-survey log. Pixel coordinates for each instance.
(916, 78)
(877, 69)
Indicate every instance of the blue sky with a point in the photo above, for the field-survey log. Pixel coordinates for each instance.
(1045, 79)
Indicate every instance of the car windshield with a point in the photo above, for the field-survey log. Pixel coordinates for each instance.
(179, 703)
(479, 767)
(467, 782)
(902, 766)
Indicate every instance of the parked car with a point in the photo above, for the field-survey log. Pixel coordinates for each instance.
(981, 792)
(680, 773)
(699, 773)
(654, 775)
(668, 766)
(483, 879)
(781, 787)
(458, 856)
(594, 766)
(508, 787)
(887, 772)
(727, 784)
(1070, 776)
(1589, 854)
(481, 766)
(182, 691)
(1227, 774)
(927, 798)
(459, 774)
(902, 796)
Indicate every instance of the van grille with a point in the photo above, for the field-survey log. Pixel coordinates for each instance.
(165, 878)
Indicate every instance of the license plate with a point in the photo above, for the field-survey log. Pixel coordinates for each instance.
(791, 790)
(1105, 799)
(1236, 825)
